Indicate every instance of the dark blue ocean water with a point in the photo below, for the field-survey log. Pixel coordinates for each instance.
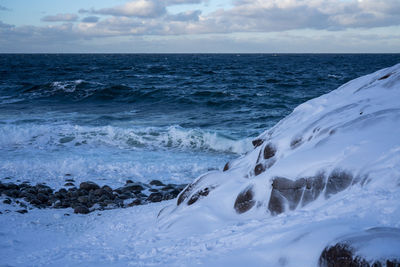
(112, 117)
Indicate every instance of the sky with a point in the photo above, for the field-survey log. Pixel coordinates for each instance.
(200, 26)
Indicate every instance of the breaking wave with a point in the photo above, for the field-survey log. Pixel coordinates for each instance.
(173, 137)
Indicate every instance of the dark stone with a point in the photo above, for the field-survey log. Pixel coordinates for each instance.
(285, 192)
(155, 197)
(171, 194)
(257, 142)
(128, 182)
(136, 202)
(185, 193)
(12, 193)
(201, 193)
(345, 252)
(69, 184)
(384, 77)
(81, 210)
(83, 192)
(7, 201)
(153, 190)
(314, 187)
(42, 197)
(89, 186)
(340, 255)
(296, 142)
(99, 192)
(132, 187)
(259, 168)
(168, 187)
(226, 167)
(107, 188)
(70, 180)
(10, 186)
(125, 196)
(269, 151)
(23, 211)
(245, 200)
(157, 183)
(338, 181)
(83, 199)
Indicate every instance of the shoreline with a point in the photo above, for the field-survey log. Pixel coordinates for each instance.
(87, 197)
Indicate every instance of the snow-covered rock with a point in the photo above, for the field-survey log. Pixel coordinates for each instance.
(344, 143)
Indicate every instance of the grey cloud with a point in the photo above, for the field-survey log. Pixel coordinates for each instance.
(192, 15)
(90, 19)
(137, 8)
(3, 8)
(60, 17)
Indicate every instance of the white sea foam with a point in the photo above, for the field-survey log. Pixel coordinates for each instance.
(54, 136)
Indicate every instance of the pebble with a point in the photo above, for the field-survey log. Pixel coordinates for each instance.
(89, 196)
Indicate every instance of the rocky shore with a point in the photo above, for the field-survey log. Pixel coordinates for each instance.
(87, 197)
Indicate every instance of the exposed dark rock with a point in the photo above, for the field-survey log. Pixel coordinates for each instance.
(338, 181)
(257, 142)
(187, 191)
(171, 194)
(245, 200)
(340, 255)
(296, 142)
(7, 201)
(128, 182)
(81, 210)
(345, 251)
(89, 186)
(384, 77)
(226, 167)
(70, 180)
(130, 188)
(314, 187)
(23, 211)
(42, 196)
(107, 188)
(136, 202)
(157, 183)
(69, 184)
(155, 197)
(288, 193)
(259, 168)
(269, 151)
(168, 187)
(201, 193)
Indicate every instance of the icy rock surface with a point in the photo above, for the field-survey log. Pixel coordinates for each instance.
(374, 247)
(342, 145)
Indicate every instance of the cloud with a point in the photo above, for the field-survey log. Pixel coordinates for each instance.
(191, 15)
(138, 8)
(150, 18)
(90, 19)
(60, 17)
(3, 8)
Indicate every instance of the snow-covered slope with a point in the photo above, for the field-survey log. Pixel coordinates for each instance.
(342, 146)
(329, 171)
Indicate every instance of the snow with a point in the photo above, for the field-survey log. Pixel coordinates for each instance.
(354, 128)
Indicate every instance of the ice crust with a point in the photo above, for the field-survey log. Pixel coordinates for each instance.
(355, 128)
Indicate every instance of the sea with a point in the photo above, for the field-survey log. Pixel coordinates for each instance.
(109, 118)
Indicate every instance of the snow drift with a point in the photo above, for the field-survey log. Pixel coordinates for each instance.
(345, 143)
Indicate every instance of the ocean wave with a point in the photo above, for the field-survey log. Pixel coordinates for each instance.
(52, 136)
